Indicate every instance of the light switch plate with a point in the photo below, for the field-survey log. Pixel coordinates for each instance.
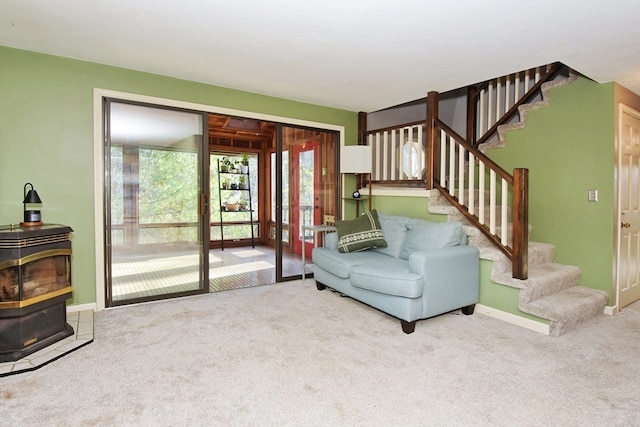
(593, 195)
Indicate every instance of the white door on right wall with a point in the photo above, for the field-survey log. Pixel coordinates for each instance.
(628, 255)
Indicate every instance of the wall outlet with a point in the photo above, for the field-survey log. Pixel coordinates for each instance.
(593, 195)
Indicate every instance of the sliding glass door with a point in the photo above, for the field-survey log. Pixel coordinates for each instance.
(156, 212)
(307, 192)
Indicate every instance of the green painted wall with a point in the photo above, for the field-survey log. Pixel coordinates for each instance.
(568, 148)
(415, 207)
(46, 136)
(500, 297)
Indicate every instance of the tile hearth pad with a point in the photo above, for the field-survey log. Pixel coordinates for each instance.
(82, 323)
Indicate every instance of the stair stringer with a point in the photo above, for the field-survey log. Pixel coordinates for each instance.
(523, 110)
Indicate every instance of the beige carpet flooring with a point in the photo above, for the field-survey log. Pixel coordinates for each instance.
(289, 355)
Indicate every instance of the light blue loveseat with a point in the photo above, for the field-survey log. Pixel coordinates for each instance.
(426, 269)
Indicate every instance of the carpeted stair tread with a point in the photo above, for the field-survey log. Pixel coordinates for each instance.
(543, 280)
(568, 308)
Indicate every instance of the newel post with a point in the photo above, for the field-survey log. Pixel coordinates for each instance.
(472, 94)
(432, 138)
(520, 259)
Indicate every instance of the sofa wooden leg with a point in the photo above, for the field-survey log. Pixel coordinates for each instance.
(408, 327)
(320, 286)
(468, 310)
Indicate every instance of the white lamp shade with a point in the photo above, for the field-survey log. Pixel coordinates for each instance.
(355, 159)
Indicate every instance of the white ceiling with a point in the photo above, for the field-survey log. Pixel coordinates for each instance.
(355, 55)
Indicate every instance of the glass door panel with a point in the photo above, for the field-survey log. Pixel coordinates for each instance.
(225, 189)
(155, 207)
(308, 188)
(303, 206)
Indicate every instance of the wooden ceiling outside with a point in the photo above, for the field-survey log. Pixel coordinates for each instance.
(227, 128)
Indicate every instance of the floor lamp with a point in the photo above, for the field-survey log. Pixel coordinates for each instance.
(356, 160)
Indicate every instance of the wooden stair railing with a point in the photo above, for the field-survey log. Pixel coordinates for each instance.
(451, 162)
(495, 102)
(448, 162)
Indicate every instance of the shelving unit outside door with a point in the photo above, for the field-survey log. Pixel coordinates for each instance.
(245, 193)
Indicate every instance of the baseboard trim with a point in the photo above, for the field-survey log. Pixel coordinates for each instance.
(397, 191)
(610, 309)
(81, 307)
(513, 319)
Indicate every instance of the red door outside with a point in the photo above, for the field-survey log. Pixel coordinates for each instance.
(305, 180)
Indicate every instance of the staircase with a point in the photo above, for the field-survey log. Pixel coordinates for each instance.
(551, 291)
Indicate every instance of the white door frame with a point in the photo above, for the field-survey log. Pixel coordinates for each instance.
(98, 160)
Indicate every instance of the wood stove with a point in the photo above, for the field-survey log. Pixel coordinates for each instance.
(35, 282)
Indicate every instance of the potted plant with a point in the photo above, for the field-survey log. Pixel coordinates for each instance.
(225, 164)
(244, 168)
(243, 183)
(235, 166)
(225, 184)
(232, 207)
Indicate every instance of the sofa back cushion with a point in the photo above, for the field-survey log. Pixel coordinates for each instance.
(424, 235)
(394, 229)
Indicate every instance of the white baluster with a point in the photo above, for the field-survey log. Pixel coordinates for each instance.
(378, 159)
(443, 158)
(498, 98)
(481, 118)
(481, 193)
(490, 106)
(492, 201)
(504, 221)
(471, 186)
(507, 95)
(421, 154)
(410, 153)
(461, 155)
(374, 169)
(395, 171)
(383, 156)
(452, 166)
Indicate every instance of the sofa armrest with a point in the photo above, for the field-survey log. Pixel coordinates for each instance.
(451, 277)
(330, 240)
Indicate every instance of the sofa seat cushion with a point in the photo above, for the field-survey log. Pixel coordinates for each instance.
(390, 277)
(341, 264)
